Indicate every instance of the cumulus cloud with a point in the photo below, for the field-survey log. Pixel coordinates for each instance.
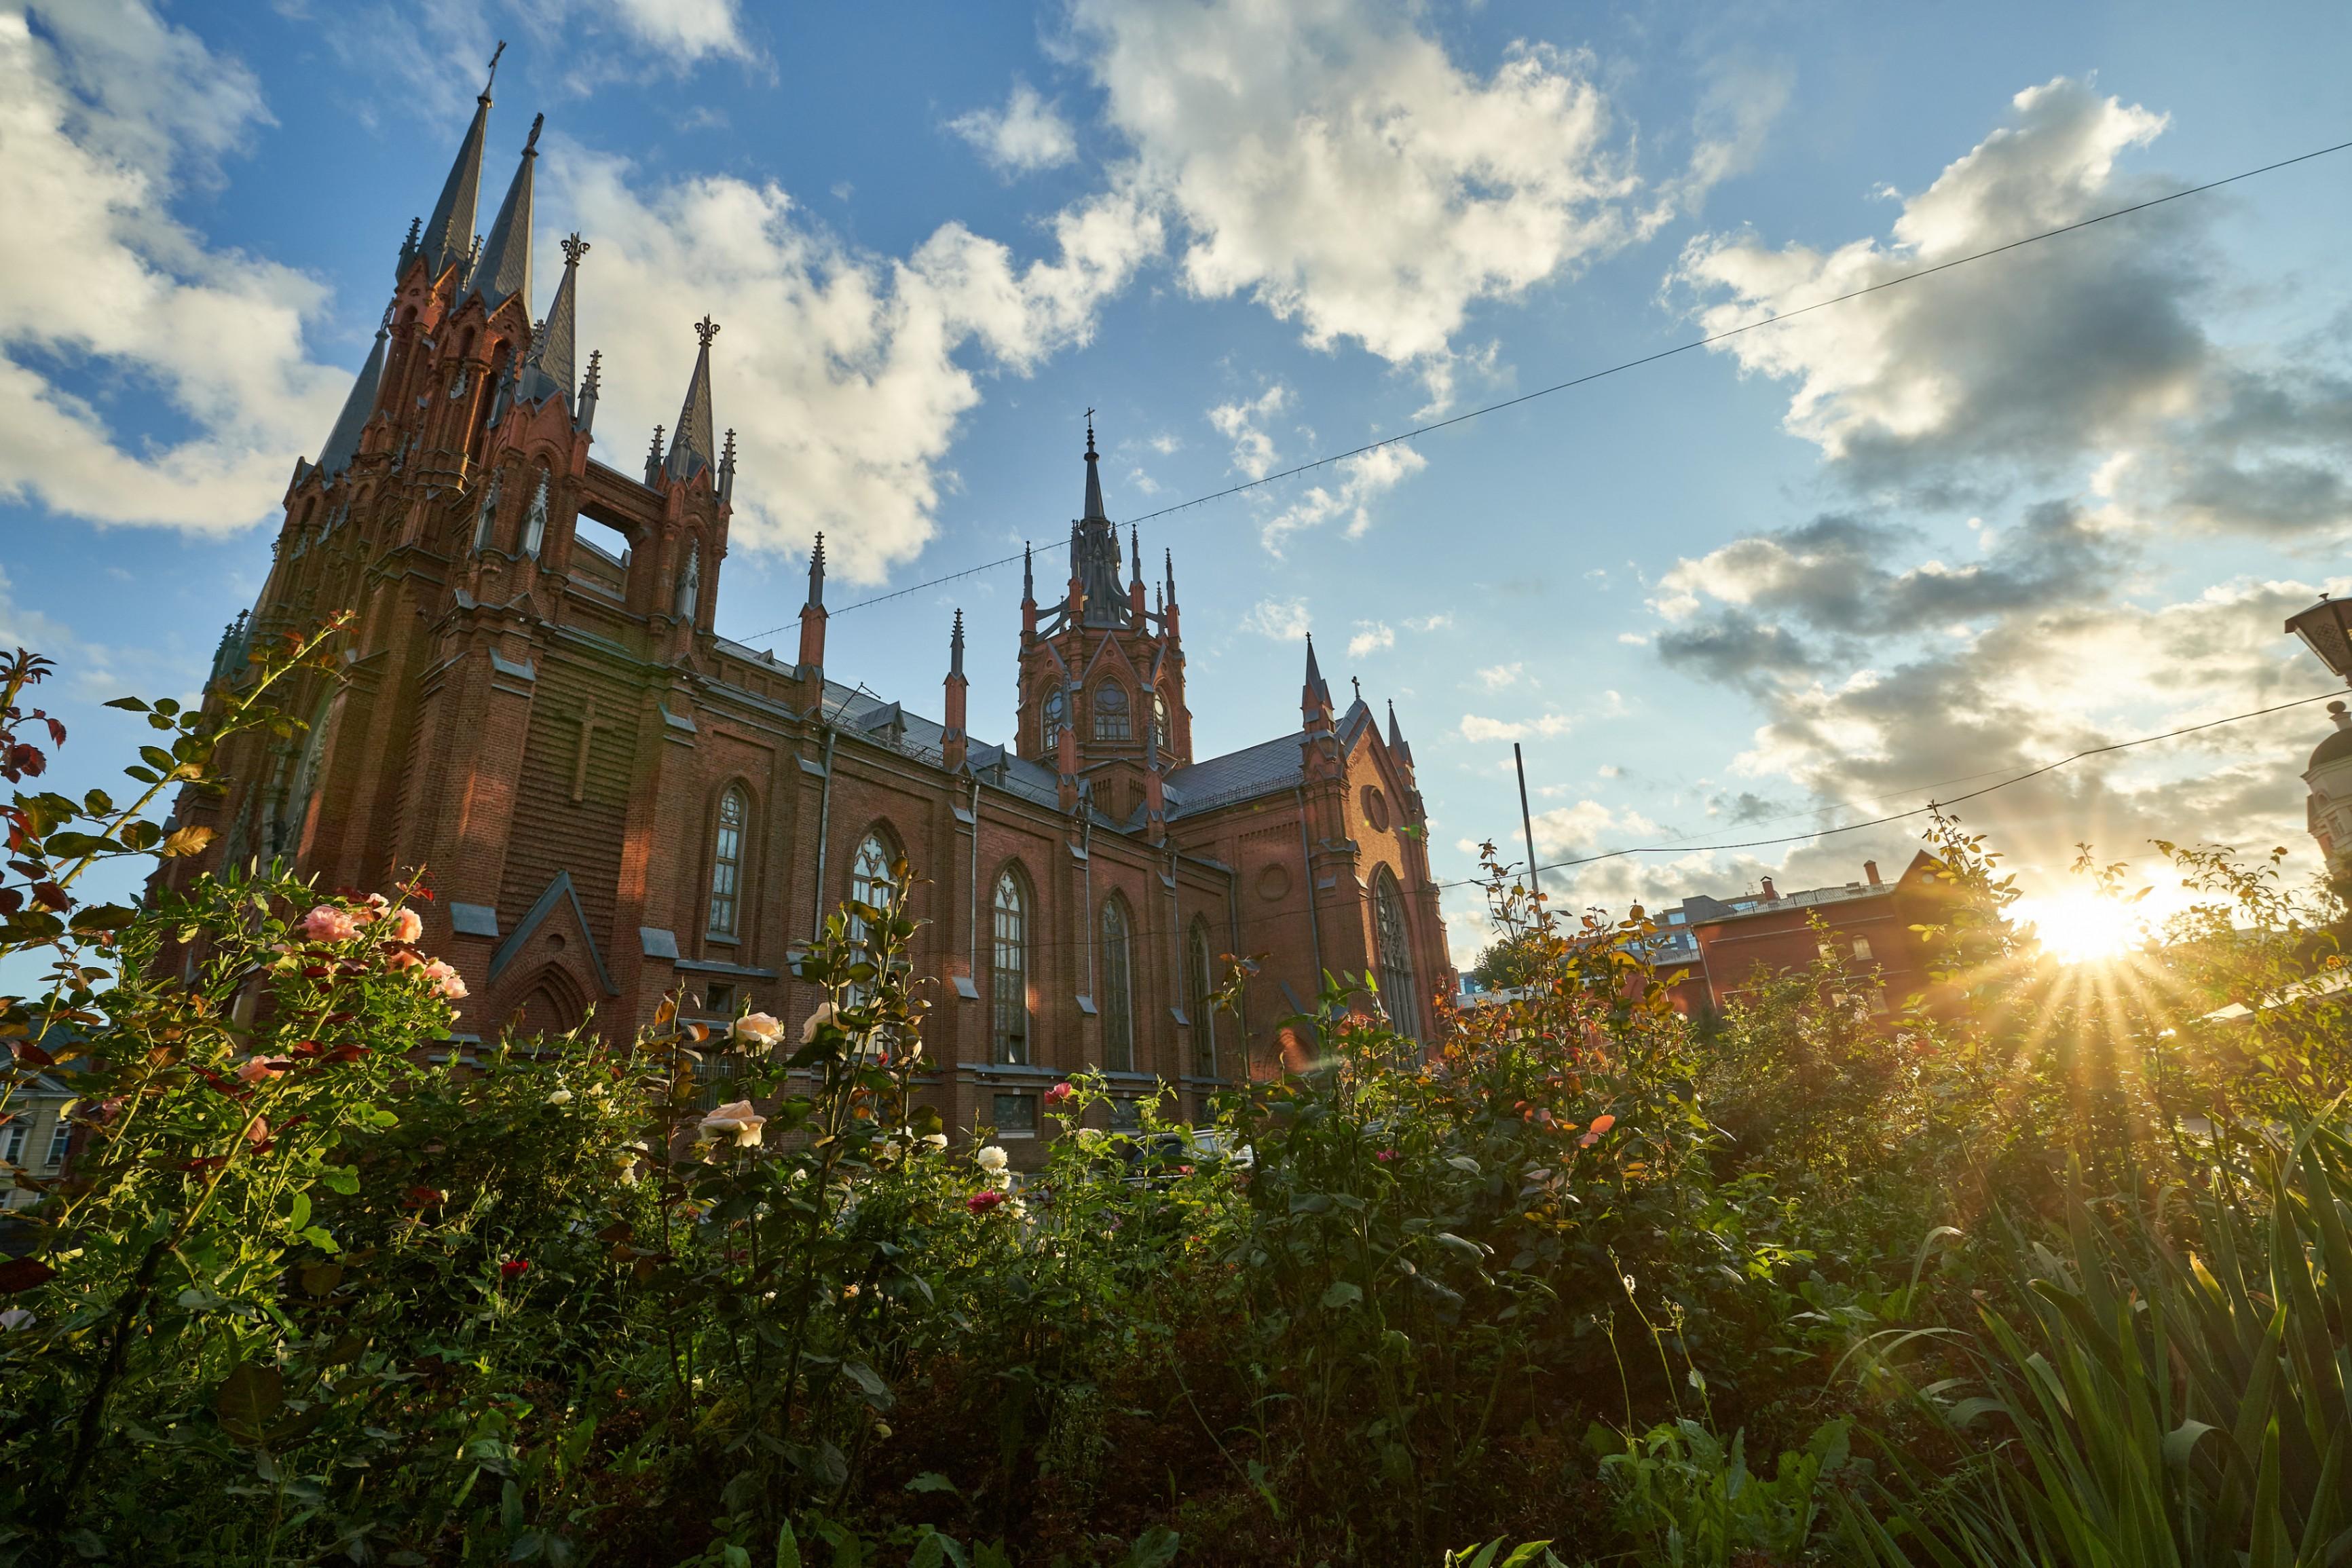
(1331, 160)
(118, 323)
(1243, 424)
(682, 30)
(1363, 479)
(839, 368)
(1285, 620)
(1475, 728)
(1026, 135)
(1370, 638)
(1494, 678)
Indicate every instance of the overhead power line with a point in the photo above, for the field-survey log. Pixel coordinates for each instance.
(1591, 377)
(1688, 849)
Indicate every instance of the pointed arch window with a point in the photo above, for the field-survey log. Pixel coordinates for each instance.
(1009, 970)
(1110, 711)
(870, 885)
(1395, 953)
(1117, 991)
(1056, 714)
(1163, 733)
(727, 865)
(1199, 1005)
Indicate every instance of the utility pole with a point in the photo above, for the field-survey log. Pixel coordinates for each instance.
(1527, 823)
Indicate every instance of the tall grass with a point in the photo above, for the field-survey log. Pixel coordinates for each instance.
(2176, 1389)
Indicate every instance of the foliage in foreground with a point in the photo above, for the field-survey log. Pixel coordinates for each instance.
(2050, 1267)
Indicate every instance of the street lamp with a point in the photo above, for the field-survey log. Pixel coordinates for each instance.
(2327, 629)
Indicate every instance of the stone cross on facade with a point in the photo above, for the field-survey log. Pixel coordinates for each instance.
(588, 725)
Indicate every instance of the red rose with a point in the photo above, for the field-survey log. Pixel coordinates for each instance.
(983, 1200)
(514, 1269)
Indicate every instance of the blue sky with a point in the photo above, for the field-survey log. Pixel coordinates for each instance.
(1964, 527)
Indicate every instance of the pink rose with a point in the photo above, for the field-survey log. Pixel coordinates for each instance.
(983, 1200)
(1058, 1096)
(1385, 1155)
(401, 958)
(406, 925)
(329, 923)
(444, 979)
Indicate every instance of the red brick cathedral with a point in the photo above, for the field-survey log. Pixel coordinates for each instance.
(611, 802)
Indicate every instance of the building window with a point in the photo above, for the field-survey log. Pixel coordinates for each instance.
(1110, 712)
(714, 1082)
(718, 1001)
(1056, 711)
(1016, 1115)
(1199, 982)
(1861, 948)
(870, 885)
(1163, 733)
(727, 866)
(60, 1135)
(1126, 1115)
(1118, 991)
(1395, 957)
(12, 1139)
(1009, 972)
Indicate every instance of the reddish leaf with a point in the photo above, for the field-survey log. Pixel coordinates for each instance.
(28, 1052)
(24, 1274)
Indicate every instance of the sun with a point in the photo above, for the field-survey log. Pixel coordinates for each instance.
(2083, 927)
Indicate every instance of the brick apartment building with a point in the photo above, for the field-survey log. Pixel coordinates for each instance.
(1707, 948)
(611, 802)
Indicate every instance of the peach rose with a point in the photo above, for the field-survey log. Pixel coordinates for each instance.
(329, 923)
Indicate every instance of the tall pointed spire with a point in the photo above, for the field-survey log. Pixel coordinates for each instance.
(955, 649)
(1094, 512)
(816, 573)
(448, 239)
(1135, 549)
(343, 441)
(1396, 738)
(691, 447)
(1315, 697)
(504, 271)
(1028, 575)
(547, 369)
(1171, 558)
(654, 459)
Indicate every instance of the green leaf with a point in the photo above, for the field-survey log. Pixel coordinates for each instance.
(2182, 1442)
(931, 1481)
(129, 705)
(788, 1548)
(869, 1382)
(1342, 1294)
(247, 1398)
(1465, 1164)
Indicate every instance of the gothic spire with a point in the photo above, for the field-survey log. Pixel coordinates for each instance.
(692, 449)
(1315, 698)
(1028, 575)
(955, 649)
(547, 369)
(816, 573)
(1171, 575)
(504, 271)
(343, 441)
(1135, 549)
(1396, 738)
(1094, 512)
(448, 238)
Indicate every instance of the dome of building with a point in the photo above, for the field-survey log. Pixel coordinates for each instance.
(2336, 747)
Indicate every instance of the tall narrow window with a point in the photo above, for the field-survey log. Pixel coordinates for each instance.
(1396, 957)
(60, 1140)
(1110, 712)
(869, 884)
(1056, 714)
(1118, 991)
(1163, 735)
(727, 865)
(1009, 972)
(1200, 983)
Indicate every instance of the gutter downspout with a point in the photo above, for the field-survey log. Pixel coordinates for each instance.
(824, 825)
(974, 956)
(1306, 858)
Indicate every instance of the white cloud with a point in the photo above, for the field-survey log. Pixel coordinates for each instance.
(1475, 728)
(104, 115)
(1496, 677)
(683, 30)
(1027, 134)
(1438, 622)
(1370, 638)
(1332, 161)
(1242, 423)
(1363, 479)
(838, 368)
(1285, 620)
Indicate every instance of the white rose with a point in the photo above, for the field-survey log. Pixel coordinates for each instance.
(1001, 1180)
(758, 1029)
(816, 1020)
(560, 1097)
(991, 1158)
(936, 1139)
(737, 1118)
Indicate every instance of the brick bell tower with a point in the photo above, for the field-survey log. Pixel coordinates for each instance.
(1102, 674)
